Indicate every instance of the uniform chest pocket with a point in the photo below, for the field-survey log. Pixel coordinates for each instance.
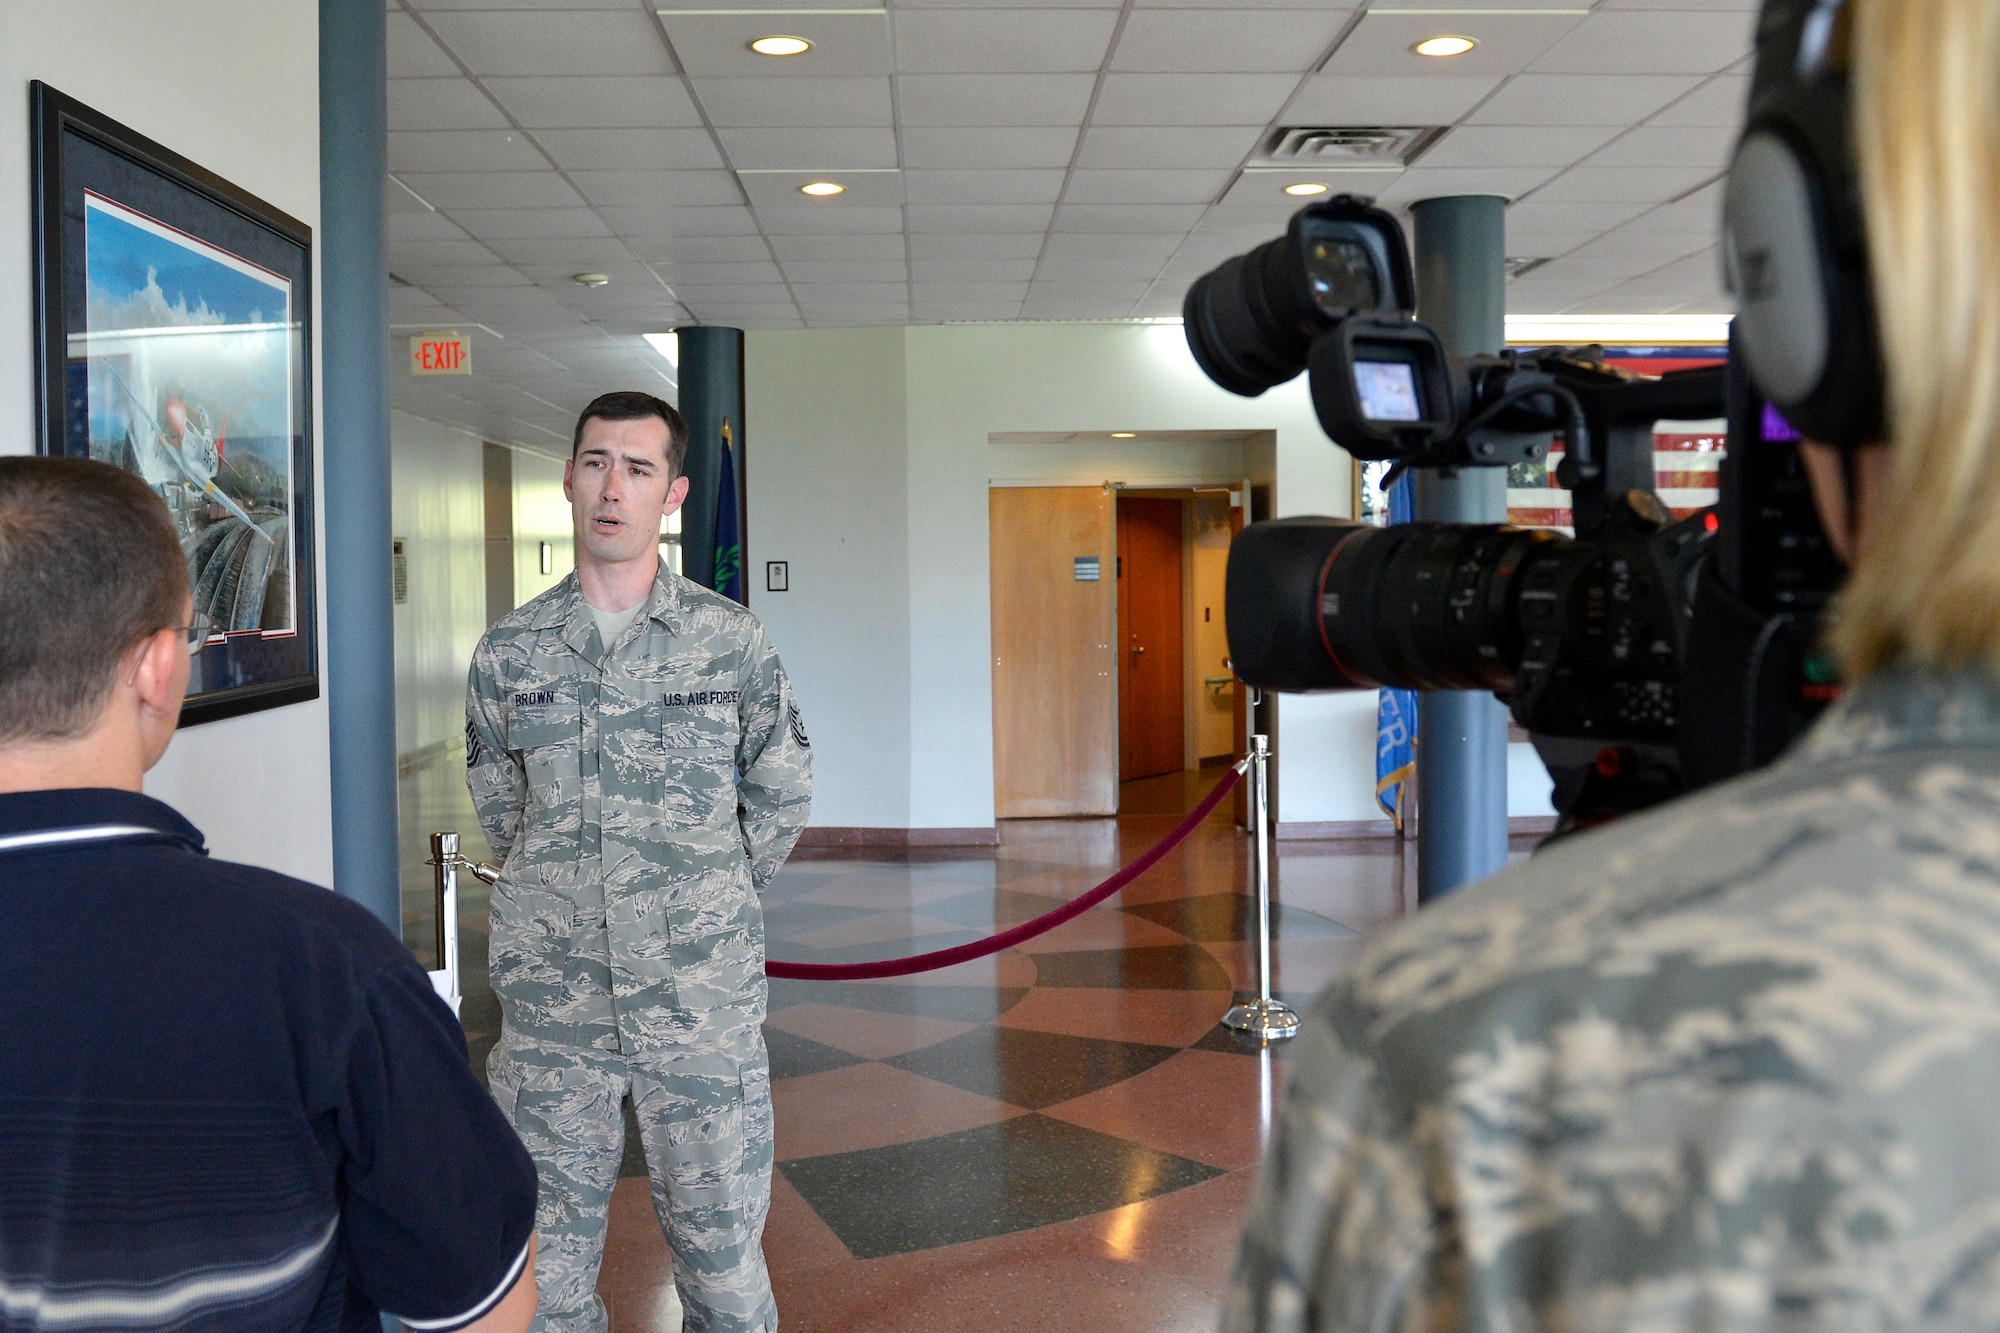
(550, 739)
(697, 766)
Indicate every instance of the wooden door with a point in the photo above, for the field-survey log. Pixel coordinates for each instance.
(1055, 691)
(1152, 689)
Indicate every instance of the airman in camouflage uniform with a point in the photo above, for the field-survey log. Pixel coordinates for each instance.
(642, 793)
(1727, 1066)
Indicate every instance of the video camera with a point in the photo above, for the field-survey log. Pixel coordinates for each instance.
(1645, 656)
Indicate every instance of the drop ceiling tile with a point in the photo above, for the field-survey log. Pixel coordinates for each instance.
(1719, 102)
(492, 189)
(422, 225)
(1147, 219)
(1705, 146)
(606, 102)
(1539, 214)
(935, 186)
(655, 149)
(1360, 99)
(1185, 146)
(693, 248)
(864, 189)
(969, 290)
(626, 277)
(994, 99)
(1427, 182)
(866, 246)
(1380, 46)
(1192, 99)
(1110, 293)
(697, 295)
(815, 219)
(749, 317)
(928, 272)
(804, 273)
(980, 218)
(949, 312)
(719, 272)
(1001, 41)
(1528, 244)
(412, 53)
(1518, 146)
(809, 148)
(717, 45)
(1583, 272)
(1646, 249)
(1076, 308)
(554, 42)
(1615, 185)
(1110, 245)
(463, 150)
(988, 147)
(1240, 41)
(447, 281)
(855, 316)
(664, 189)
(850, 293)
(1658, 42)
(1266, 189)
(1581, 99)
(699, 220)
(786, 103)
(412, 254)
(441, 104)
(1700, 211)
(1145, 186)
(497, 223)
(1097, 270)
(957, 246)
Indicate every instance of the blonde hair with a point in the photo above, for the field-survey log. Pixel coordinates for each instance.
(1927, 138)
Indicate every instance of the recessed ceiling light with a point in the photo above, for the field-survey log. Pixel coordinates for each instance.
(591, 279)
(781, 46)
(1124, 434)
(822, 189)
(1444, 46)
(1305, 188)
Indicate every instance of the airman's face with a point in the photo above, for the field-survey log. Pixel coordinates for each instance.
(621, 489)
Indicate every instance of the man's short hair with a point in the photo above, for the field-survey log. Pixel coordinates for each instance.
(634, 405)
(89, 565)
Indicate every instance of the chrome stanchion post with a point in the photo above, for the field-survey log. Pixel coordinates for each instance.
(1263, 1017)
(445, 860)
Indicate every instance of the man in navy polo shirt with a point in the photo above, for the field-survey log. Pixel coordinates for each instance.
(228, 1099)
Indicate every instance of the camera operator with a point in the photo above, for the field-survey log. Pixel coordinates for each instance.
(1730, 1064)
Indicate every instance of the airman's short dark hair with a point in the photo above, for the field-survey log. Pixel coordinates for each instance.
(634, 405)
(89, 565)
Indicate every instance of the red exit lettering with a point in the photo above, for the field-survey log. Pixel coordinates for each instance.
(440, 354)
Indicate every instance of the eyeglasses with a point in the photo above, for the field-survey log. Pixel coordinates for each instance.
(197, 633)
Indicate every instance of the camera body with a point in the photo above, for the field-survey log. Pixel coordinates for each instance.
(1644, 656)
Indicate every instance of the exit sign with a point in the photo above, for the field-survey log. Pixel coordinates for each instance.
(440, 354)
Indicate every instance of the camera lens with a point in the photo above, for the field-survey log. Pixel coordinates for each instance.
(1341, 274)
(1324, 604)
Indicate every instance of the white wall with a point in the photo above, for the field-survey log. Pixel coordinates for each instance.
(438, 508)
(541, 514)
(825, 464)
(234, 85)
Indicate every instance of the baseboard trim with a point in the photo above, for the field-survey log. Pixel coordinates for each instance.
(900, 837)
(1359, 830)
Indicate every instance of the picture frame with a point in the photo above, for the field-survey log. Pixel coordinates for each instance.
(174, 339)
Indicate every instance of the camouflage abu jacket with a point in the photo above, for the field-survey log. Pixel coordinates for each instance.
(1731, 1065)
(609, 783)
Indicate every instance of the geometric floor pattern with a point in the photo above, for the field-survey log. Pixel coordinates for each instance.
(1058, 1137)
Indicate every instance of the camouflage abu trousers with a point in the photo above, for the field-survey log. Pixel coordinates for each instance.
(705, 1123)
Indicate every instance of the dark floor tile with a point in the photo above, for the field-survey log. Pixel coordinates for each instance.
(1233, 916)
(794, 1056)
(970, 1004)
(1028, 1068)
(782, 920)
(794, 951)
(1154, 967)
(1025, 1172)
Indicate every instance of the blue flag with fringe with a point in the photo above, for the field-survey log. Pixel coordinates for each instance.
(1396, 712)
(728, 524)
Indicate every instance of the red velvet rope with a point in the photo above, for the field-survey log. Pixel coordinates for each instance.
(1027, 930)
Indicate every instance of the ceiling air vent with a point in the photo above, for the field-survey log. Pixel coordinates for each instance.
(1380, 147)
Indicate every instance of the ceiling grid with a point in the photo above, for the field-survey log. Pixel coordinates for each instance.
(1000, 160)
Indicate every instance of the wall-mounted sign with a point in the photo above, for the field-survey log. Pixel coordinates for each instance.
(440, 354)
(777, 576)
(1088, 570)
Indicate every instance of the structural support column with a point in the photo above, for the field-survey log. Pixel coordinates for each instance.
(1461, 737)
(711, 378)
(354, 449)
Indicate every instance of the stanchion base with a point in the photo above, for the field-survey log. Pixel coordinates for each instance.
(1263, 1018)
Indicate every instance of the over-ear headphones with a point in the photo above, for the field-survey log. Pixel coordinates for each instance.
(1794, 242)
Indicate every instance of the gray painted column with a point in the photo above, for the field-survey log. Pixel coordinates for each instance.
(711, 380)
(354, 393)
(1462, 737)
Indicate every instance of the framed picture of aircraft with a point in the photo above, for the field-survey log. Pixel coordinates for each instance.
(174, 317)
